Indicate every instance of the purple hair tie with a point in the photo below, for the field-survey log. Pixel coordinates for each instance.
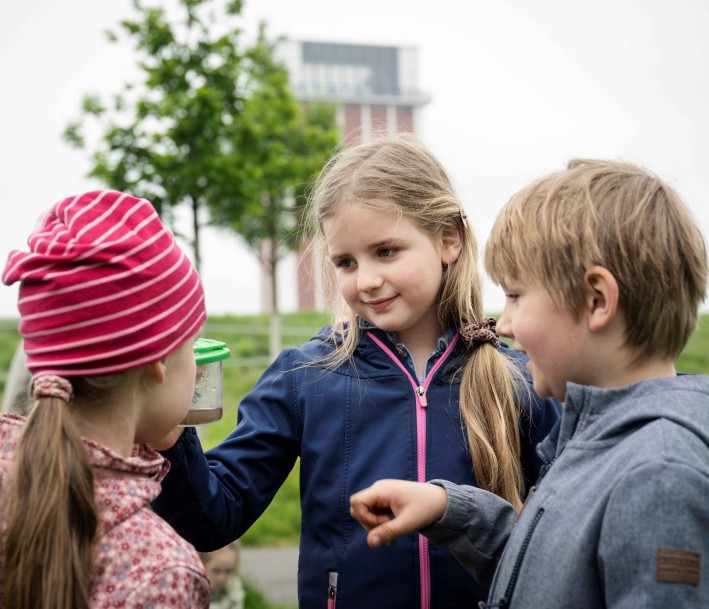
(476, 333)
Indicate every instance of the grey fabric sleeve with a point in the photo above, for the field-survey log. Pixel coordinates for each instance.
(474, 527)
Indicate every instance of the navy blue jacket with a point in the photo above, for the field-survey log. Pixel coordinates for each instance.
(350, 427)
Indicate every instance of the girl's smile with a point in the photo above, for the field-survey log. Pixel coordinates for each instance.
(381, 304)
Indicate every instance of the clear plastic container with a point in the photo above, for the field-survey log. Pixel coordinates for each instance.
(207, 398)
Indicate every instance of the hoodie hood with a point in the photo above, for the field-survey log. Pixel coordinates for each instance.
(599, 415)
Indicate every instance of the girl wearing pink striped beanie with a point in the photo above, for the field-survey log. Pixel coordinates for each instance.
(110, 308)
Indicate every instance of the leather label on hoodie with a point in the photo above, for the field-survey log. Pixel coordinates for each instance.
(677, 566)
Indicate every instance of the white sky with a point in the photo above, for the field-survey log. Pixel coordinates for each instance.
(518, 88)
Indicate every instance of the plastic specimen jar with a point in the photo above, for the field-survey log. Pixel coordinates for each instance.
(207, 398)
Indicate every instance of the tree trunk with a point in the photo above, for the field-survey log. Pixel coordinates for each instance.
(197, 262)
(195, 232)
(275, 329)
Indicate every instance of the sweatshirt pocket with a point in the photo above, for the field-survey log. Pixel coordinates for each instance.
(332, 590)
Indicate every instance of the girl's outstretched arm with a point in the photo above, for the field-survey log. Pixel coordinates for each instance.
(212, 498)
(391, 508)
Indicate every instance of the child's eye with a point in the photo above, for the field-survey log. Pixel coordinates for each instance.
(344, 263)
(386, 252)
(512, 296)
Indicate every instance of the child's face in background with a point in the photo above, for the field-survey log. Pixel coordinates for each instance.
(388, 270)
(220, 567)
(550, 335)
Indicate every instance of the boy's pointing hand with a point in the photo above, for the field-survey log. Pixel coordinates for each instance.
(391, 508)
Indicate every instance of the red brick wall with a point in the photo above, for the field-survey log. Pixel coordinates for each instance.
(379, 119)
(404, 118)
(353, 124)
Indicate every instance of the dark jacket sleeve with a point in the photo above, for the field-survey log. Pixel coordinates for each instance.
(214, 497)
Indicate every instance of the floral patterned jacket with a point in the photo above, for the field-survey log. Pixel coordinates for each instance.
(140, 560)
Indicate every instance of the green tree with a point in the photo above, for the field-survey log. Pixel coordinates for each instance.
(209, 125)
(170, 138)
(287, 144)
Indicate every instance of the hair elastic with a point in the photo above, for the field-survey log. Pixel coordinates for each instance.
(477, 333)
(52, 386)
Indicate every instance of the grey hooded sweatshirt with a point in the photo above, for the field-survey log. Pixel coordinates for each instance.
(619, 518)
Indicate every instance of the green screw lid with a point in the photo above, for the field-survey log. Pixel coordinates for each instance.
(207, 351)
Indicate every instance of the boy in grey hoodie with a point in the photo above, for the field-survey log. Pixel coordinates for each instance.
(604, 270)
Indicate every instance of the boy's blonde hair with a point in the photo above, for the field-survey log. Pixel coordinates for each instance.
(618, 216)
(398, 173)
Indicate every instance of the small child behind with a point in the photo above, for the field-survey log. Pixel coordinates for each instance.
(222, 567)
(604, 270)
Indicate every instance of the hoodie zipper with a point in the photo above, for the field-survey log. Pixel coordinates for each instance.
(421, 405)
(507, 598)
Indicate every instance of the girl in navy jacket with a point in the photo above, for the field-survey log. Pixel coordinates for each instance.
(411, 382)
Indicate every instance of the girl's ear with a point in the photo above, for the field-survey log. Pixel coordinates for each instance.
(156, 371)
(451, 244)
(602, 295)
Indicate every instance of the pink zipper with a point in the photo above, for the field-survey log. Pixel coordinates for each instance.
(332, 590)
(421, 404)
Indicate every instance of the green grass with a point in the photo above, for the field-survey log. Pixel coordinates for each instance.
(9, 339)
(695, 357)
(280, 524)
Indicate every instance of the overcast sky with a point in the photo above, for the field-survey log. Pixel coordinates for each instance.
(518, 88)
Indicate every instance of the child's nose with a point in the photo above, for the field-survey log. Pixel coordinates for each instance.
(368, 278)
(504, 327)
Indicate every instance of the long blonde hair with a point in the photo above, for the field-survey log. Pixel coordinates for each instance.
(399, 173)
(51, 513)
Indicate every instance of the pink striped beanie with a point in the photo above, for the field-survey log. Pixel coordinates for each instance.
(104, 288)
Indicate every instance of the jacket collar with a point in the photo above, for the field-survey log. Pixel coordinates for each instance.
(595, 414)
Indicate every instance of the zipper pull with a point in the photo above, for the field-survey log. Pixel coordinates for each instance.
(421, 392)
(331, 589)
